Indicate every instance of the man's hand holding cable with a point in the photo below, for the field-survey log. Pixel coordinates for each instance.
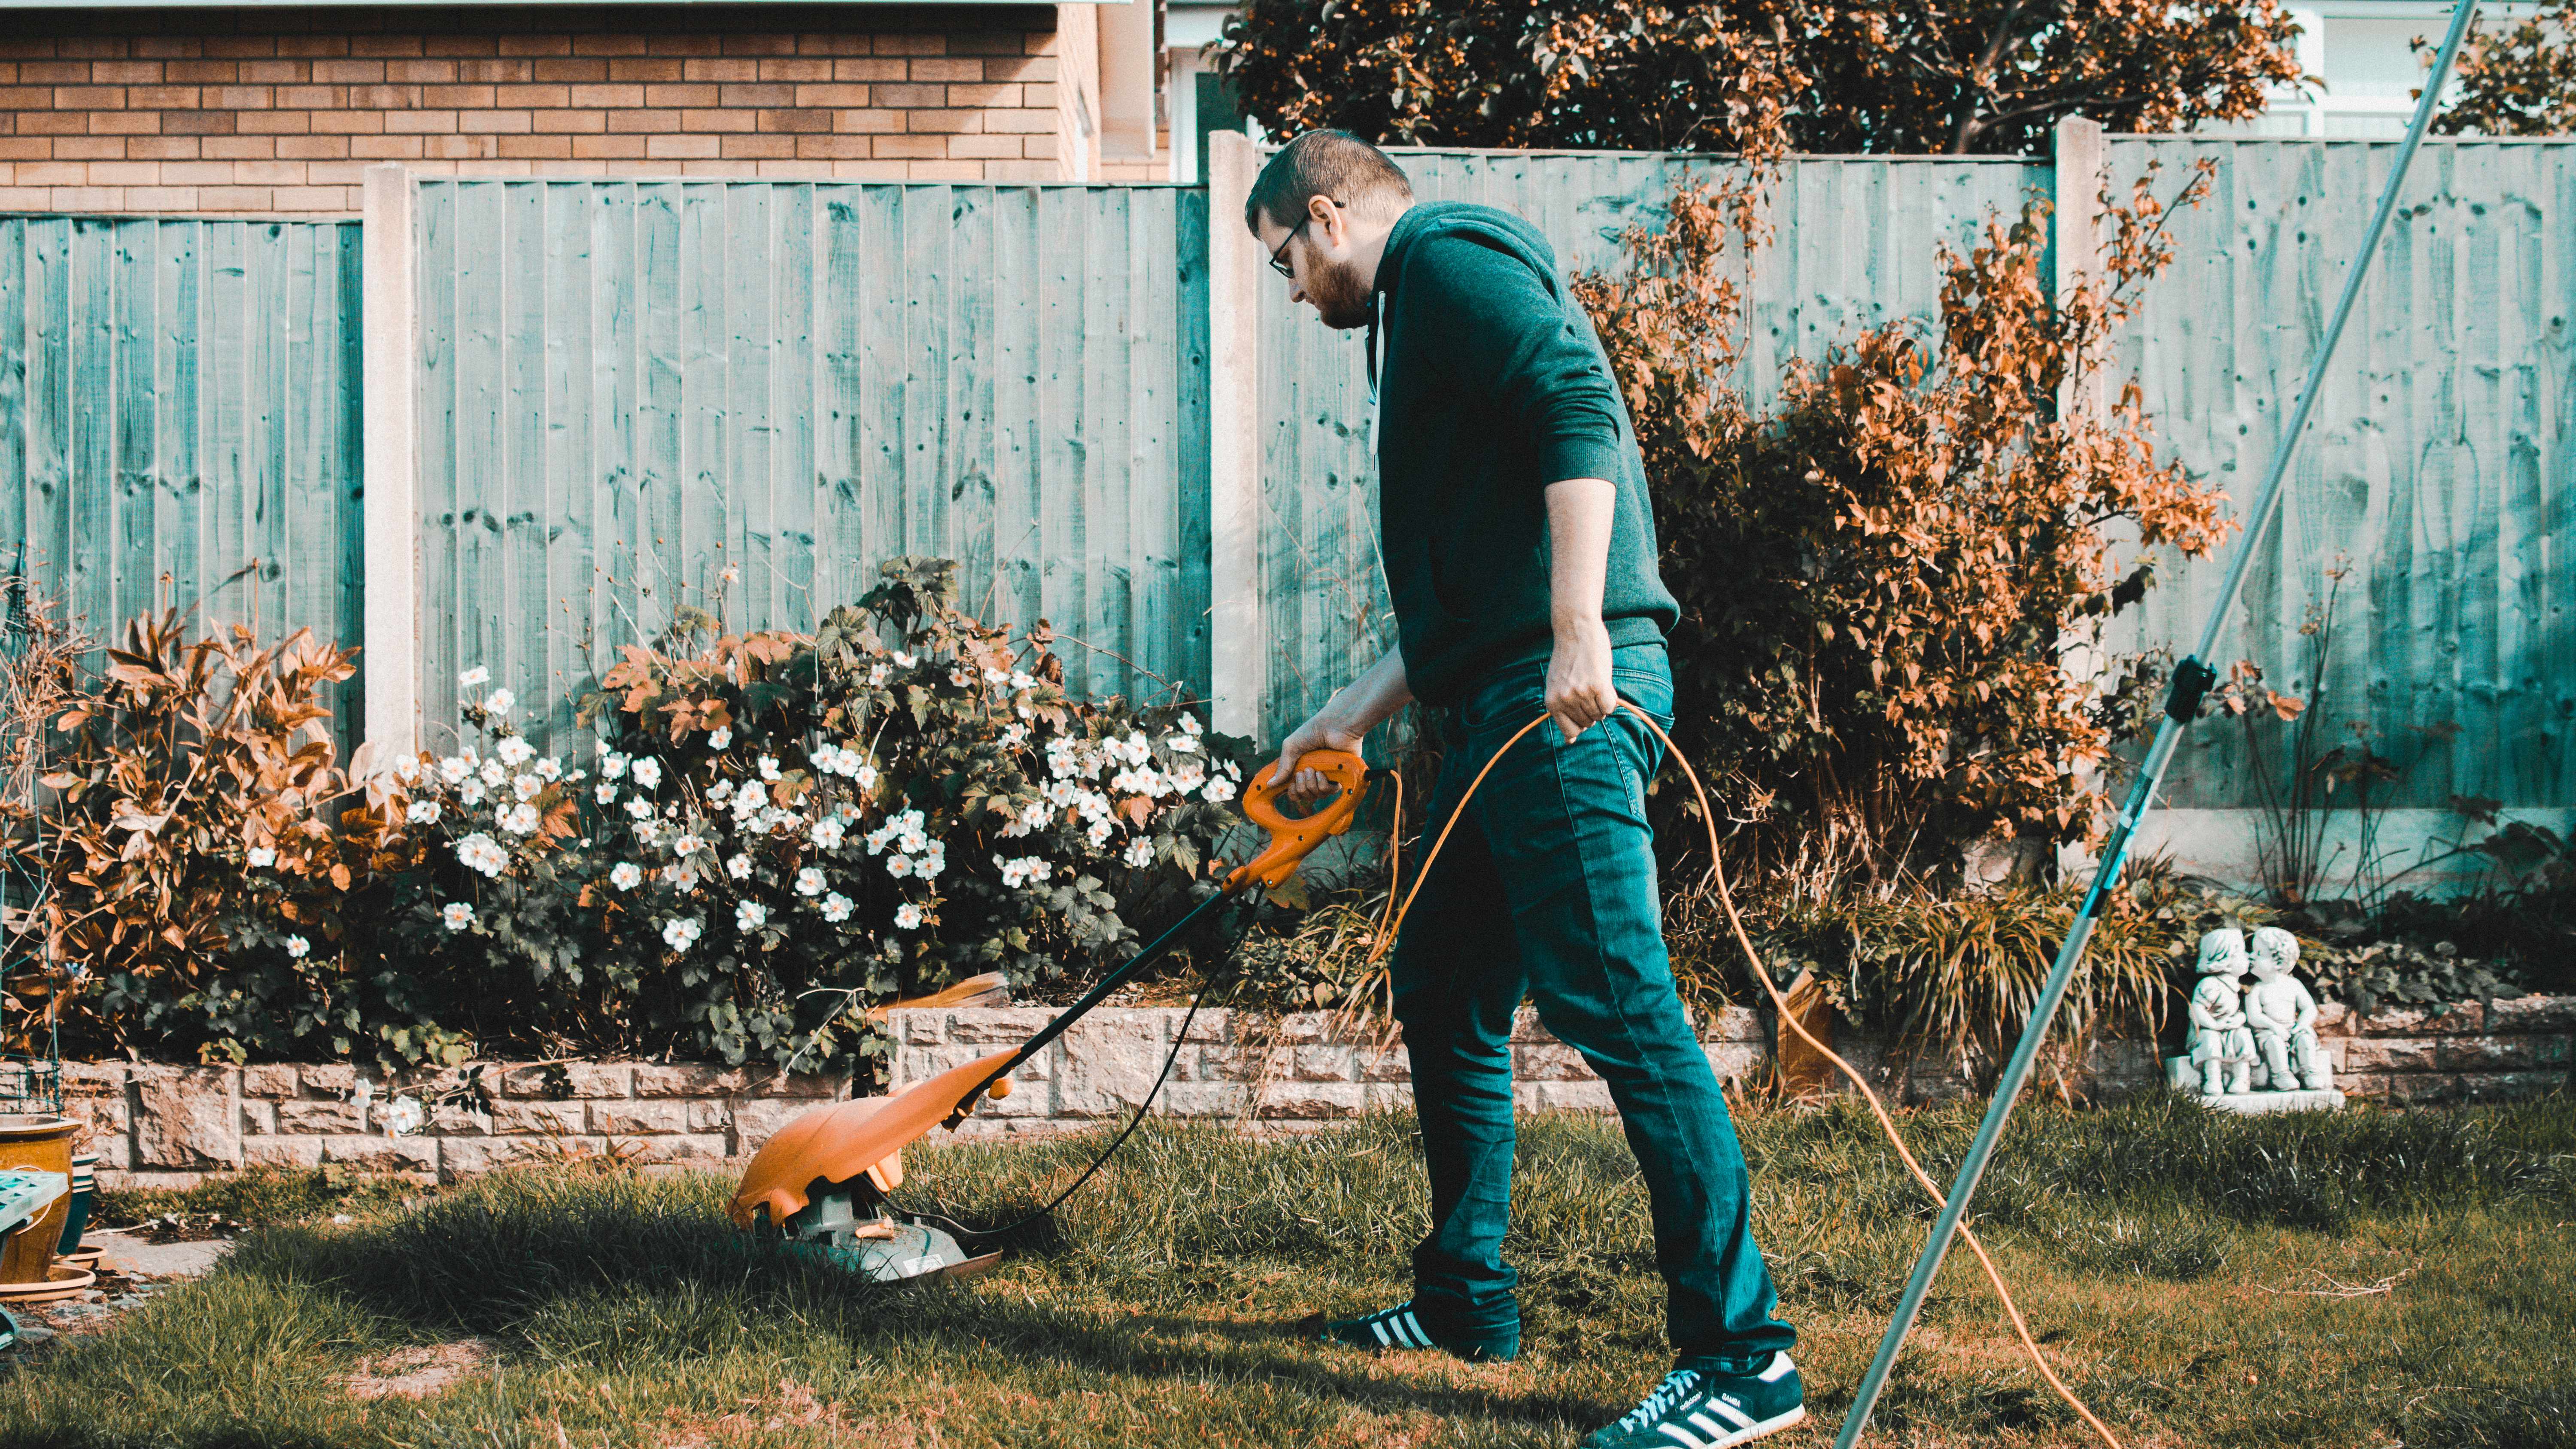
(1579, 691)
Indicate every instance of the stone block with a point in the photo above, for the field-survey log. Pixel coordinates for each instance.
(290, 1152)
(696, 1080)
(2502, 1053)
(184, 1117)
(1214, 1026)
(1526, 1028)
(553, 1119)
(1031, 1095)
(917, 1026)
(2533, 1014)
(994, 1026)
(1296, 1028)
(2509, 1086)
(258, 1119)
(1312, 1100)
(273, 1081)
(1105, 1066)
(318, 1117)
(1733, 1023)
(456, 1121)
(2443, 1020)
(589, 1081)
(1549, 1062)
(2333, 1019)
(383, 1154)
(2415, 1087)
(115, 1151)
(756, 1119)
(1388, 1064)
(2363, 1084)
(638, 1119)
(1320, 1064)
(471, 1156)
(922, 1063)
(705, 1116)
(695, 1150)
(94, 1079)
(2386, 1054)
(1203, 1099)
(331, 1079)
(1733, 1061)
(1592, 1096)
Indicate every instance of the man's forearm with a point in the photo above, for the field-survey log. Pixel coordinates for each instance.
(1365, 702)
(1579, 512)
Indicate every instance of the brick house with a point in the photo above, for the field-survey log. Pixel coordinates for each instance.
(277, 109)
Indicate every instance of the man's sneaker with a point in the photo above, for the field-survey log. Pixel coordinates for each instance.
(1398, 1327)
(1696, 1409)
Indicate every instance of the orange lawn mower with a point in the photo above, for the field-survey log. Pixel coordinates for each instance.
(822, 1181)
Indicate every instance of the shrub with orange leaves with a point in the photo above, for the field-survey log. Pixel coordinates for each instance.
(1880, 583)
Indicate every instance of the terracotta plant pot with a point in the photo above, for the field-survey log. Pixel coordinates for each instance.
(45, 1144)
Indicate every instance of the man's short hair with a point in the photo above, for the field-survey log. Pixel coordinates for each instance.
(1335, 165)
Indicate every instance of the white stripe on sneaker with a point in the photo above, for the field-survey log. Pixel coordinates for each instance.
(1780, 1369)
(1731, 1414)
(1409, 1328)
(1378, 1327)
(1716, 1432)
(1682, 1438)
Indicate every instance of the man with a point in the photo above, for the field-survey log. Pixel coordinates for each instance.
(1520, 553)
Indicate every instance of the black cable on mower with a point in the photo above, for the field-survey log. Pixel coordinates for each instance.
(1223, 955)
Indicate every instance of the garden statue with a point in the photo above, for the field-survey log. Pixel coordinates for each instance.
(2283, 1017)
(2222, 1049)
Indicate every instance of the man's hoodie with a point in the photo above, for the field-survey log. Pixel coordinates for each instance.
(1493, 386)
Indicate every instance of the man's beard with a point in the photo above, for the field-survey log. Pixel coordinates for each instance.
(1340, 298)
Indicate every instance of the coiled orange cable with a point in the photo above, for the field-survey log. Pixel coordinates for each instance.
(1394, 921)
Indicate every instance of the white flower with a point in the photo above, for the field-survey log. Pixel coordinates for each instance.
(1190, 722)
(846, 813)
(1015, 736)
(739, 867)
(836, 907)
(514, 751)
(626, 875)
(961, 676)
(404, 1116)
(519, 819)
(1140, 854)
(719, 737)
(907, 917)
(1218, 791)
(606, 791)
(809, 882)
(406, 769)
(1023, 871)
(900, 865)
(932, 862)
(1098, 833)
(826, 834)
(455, 768)
(260, 857)
(647, 773)
(500, 701)
(297, 947)
(1020, 680)
(1182, 744)
(527, 787)
(612, 765)
(457, 914)
(750, 916)
(639, 809)
(768, 767)
(551, 768)
(1093, 805)
(680, 932)
(492, 775)
(474, 676)
(877, 676)
(470, 793)
(719, 789)
(687, 845)
(422, 812)
(1187, 777)
(903, 660)
(995, 676)
(649, 831)
(866, 775)
(481, 852)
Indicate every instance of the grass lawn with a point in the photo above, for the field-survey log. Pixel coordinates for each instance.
(2368, 1278)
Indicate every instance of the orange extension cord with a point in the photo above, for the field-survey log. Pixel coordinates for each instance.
(1393, 921)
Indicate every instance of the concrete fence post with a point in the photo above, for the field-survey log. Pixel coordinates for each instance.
(391, 659)
(2078, 186)
(1239, 651)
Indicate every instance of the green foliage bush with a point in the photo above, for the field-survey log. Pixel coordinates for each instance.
(778, 831)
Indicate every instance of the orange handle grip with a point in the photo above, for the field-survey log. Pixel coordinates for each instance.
(1290, 840)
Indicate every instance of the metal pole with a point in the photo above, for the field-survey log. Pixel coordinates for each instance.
(2192, 679)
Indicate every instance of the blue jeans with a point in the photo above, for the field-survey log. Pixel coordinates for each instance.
(1546, 890)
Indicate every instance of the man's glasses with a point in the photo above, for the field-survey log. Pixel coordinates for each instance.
(1280, 266)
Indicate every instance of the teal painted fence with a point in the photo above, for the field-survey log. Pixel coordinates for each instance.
(179, 403)
(2439, 474)
(742, 396)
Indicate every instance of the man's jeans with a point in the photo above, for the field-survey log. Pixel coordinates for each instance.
(1547, 890)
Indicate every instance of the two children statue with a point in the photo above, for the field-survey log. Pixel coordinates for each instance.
(2270, 1029)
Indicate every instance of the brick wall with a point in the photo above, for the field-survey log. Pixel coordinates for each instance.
(278, 110)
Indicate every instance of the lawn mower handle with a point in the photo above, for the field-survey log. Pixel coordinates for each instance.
(1292, 839)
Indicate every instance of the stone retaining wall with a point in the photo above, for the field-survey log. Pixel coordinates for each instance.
(154, 1124)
